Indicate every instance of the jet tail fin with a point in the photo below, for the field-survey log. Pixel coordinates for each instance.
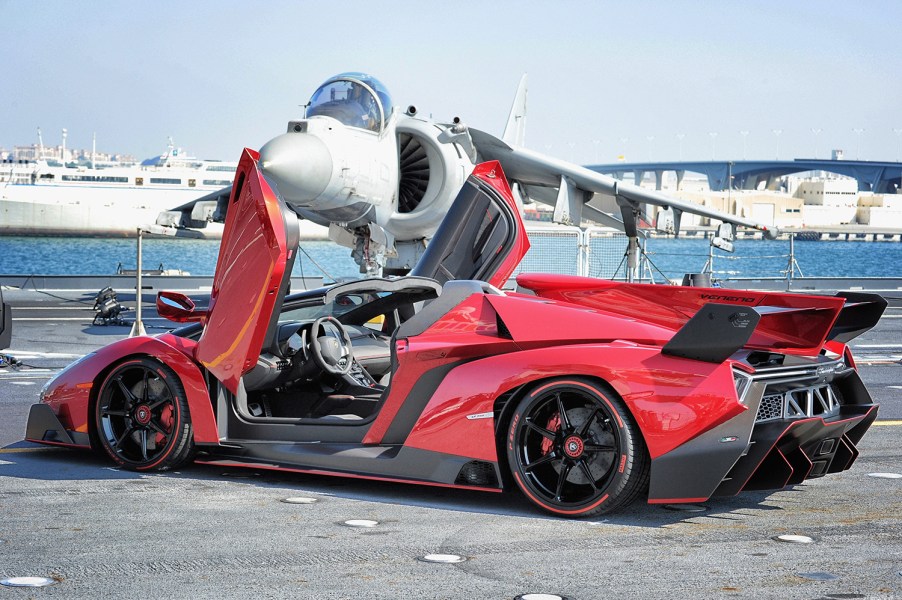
(515, 130)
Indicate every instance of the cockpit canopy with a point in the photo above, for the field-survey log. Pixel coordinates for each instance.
(354, 99)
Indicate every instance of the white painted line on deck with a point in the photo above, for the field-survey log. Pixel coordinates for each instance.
(34, 354)
(876, 346)
(125, 290)
(50, 319)
(54, 319)
(53, 308)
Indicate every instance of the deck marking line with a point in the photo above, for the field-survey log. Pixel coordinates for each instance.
(877, 346)
(49, 319)
(18, 308)
(54, 319)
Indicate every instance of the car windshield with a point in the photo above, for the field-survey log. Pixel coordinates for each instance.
(376, 303)
(339, 306)
(354, 99)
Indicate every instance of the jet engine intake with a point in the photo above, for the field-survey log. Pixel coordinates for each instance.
(431, 174)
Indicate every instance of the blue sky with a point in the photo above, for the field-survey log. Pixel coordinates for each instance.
(605, 78)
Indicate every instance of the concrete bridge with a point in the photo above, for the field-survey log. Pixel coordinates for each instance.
(872, 176)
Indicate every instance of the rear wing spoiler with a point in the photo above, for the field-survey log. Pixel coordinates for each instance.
(717, 331)
(860, 313)
(714, 333)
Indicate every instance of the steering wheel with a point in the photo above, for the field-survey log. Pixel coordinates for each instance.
(331, 350)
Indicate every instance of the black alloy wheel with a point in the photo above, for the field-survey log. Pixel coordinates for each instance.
(574, 449)
(142, 418)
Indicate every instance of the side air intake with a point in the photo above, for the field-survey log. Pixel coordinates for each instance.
(477, 473)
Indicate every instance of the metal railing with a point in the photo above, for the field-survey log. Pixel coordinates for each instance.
(600, 252)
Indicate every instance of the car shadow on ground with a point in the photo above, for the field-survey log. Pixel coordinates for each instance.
(29, 461)
(114, 330)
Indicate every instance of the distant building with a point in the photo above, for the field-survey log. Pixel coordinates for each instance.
(60, 154)
(883, 210)
(832, 201)
(816, 201)
(33, 152)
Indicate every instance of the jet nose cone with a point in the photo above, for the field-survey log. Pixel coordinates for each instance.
(299, 164)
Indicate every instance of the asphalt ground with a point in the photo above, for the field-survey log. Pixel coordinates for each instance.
(207, 532)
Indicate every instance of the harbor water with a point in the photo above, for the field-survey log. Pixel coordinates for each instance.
(667, 257)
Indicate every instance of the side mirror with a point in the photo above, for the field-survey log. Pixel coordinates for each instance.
(179, 308)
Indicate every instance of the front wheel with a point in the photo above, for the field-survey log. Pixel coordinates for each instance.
(574, 449)
(142, 417)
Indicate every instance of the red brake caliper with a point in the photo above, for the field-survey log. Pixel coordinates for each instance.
(554, 425)
(166, 421)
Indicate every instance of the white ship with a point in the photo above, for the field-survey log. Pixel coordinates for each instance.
(40, 198)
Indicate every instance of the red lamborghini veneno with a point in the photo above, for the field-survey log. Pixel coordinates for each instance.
(582, 393)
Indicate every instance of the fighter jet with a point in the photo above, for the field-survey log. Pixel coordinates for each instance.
(382, 177)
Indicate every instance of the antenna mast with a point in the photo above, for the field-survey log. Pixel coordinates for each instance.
(40, 145)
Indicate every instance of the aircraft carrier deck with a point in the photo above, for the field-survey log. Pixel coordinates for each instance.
(206, 532)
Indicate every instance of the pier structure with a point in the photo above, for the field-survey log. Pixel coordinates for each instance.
(802, 194)
(880, 177)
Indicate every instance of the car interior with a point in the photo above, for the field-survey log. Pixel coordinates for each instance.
(332, 354)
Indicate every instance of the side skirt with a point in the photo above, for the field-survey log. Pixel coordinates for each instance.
(383, 463)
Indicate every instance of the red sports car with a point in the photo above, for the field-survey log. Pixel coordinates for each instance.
(582, 393)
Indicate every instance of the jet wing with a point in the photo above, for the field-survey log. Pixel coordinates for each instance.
(576, 185)
(197, 213)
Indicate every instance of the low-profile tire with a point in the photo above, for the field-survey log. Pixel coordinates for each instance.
(574, 449)
(141, 417)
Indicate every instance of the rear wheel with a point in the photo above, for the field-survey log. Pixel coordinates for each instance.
(574, 449)
(142, 417)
